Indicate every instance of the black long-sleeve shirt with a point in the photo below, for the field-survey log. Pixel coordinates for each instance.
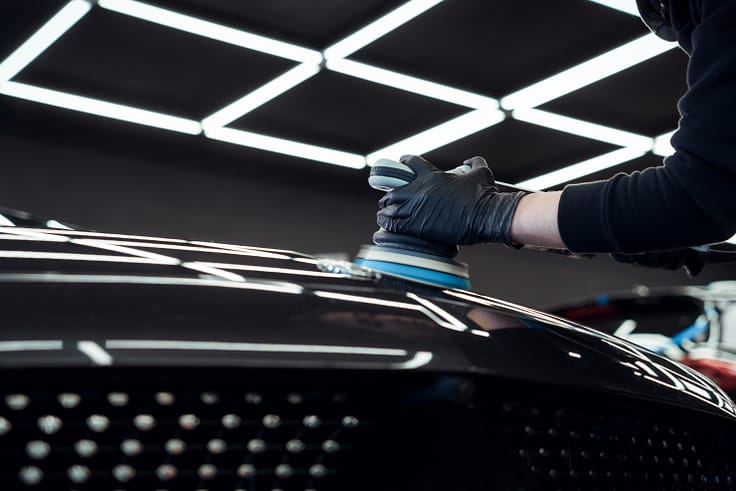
(691, 199)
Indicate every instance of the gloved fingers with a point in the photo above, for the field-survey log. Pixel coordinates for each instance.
(671, 260)
(391, 213)
(479, 164)
(418, 164)
(386, 200)
(476, 162)
(398, 195)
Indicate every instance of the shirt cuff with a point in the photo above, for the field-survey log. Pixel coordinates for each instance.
(580, 218)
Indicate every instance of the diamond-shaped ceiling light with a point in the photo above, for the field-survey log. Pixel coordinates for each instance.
(419, 76)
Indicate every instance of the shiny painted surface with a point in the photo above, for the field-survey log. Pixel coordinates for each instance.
(74, 298)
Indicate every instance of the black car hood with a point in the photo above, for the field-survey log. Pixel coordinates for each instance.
(77, 298)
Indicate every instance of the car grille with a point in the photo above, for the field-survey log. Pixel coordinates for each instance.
(617, 447)
(173, 433)
(130, 429)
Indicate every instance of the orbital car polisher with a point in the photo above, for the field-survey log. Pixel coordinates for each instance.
(432, 263)
(406, 256)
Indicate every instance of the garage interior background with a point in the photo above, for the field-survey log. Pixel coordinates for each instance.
(615, 86)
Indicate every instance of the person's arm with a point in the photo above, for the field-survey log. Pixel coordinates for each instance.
(690, 200)
(535, 221)
(535, 224)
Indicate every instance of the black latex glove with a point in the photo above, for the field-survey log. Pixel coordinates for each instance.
(448, 208)
(691, 260)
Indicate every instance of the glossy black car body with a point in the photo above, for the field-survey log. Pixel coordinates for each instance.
(153, 363)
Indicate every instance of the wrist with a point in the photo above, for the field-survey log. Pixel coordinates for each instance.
(493, 216)
(535, 221)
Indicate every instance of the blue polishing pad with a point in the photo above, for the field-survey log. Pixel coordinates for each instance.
(424, 275)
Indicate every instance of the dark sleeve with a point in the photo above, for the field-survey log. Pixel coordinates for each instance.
(691, 199)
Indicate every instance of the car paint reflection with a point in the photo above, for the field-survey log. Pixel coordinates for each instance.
(416, 360)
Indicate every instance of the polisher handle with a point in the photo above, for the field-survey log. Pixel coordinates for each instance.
(387, 175)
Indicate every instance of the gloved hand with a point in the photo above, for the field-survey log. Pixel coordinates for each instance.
(692, 260)
(448, 208)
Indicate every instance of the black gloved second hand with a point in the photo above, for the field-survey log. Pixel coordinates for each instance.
(692, 259)
(448, 208)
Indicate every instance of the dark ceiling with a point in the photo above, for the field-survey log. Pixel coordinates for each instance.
(492, 48)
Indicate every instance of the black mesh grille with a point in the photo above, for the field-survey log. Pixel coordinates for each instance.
(218, 430)
(614, 447)
(169, 434)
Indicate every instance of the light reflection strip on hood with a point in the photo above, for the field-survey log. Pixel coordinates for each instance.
(255, 347)
(254, 251)
(448, 320)
(214, 248)
(23, 233)
(203, 268)
(176, 244)
(31, 345)
(96, 234)
(518, 309)
(431, 313)
(260, 285)
(266, 269)
(68, 256)
(420, 359)
(95, 353)
(105, 245)
(367, 300)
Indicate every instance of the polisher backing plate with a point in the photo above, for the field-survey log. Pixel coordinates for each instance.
(412, 265)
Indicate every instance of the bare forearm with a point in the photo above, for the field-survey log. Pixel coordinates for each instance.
(535, 221)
